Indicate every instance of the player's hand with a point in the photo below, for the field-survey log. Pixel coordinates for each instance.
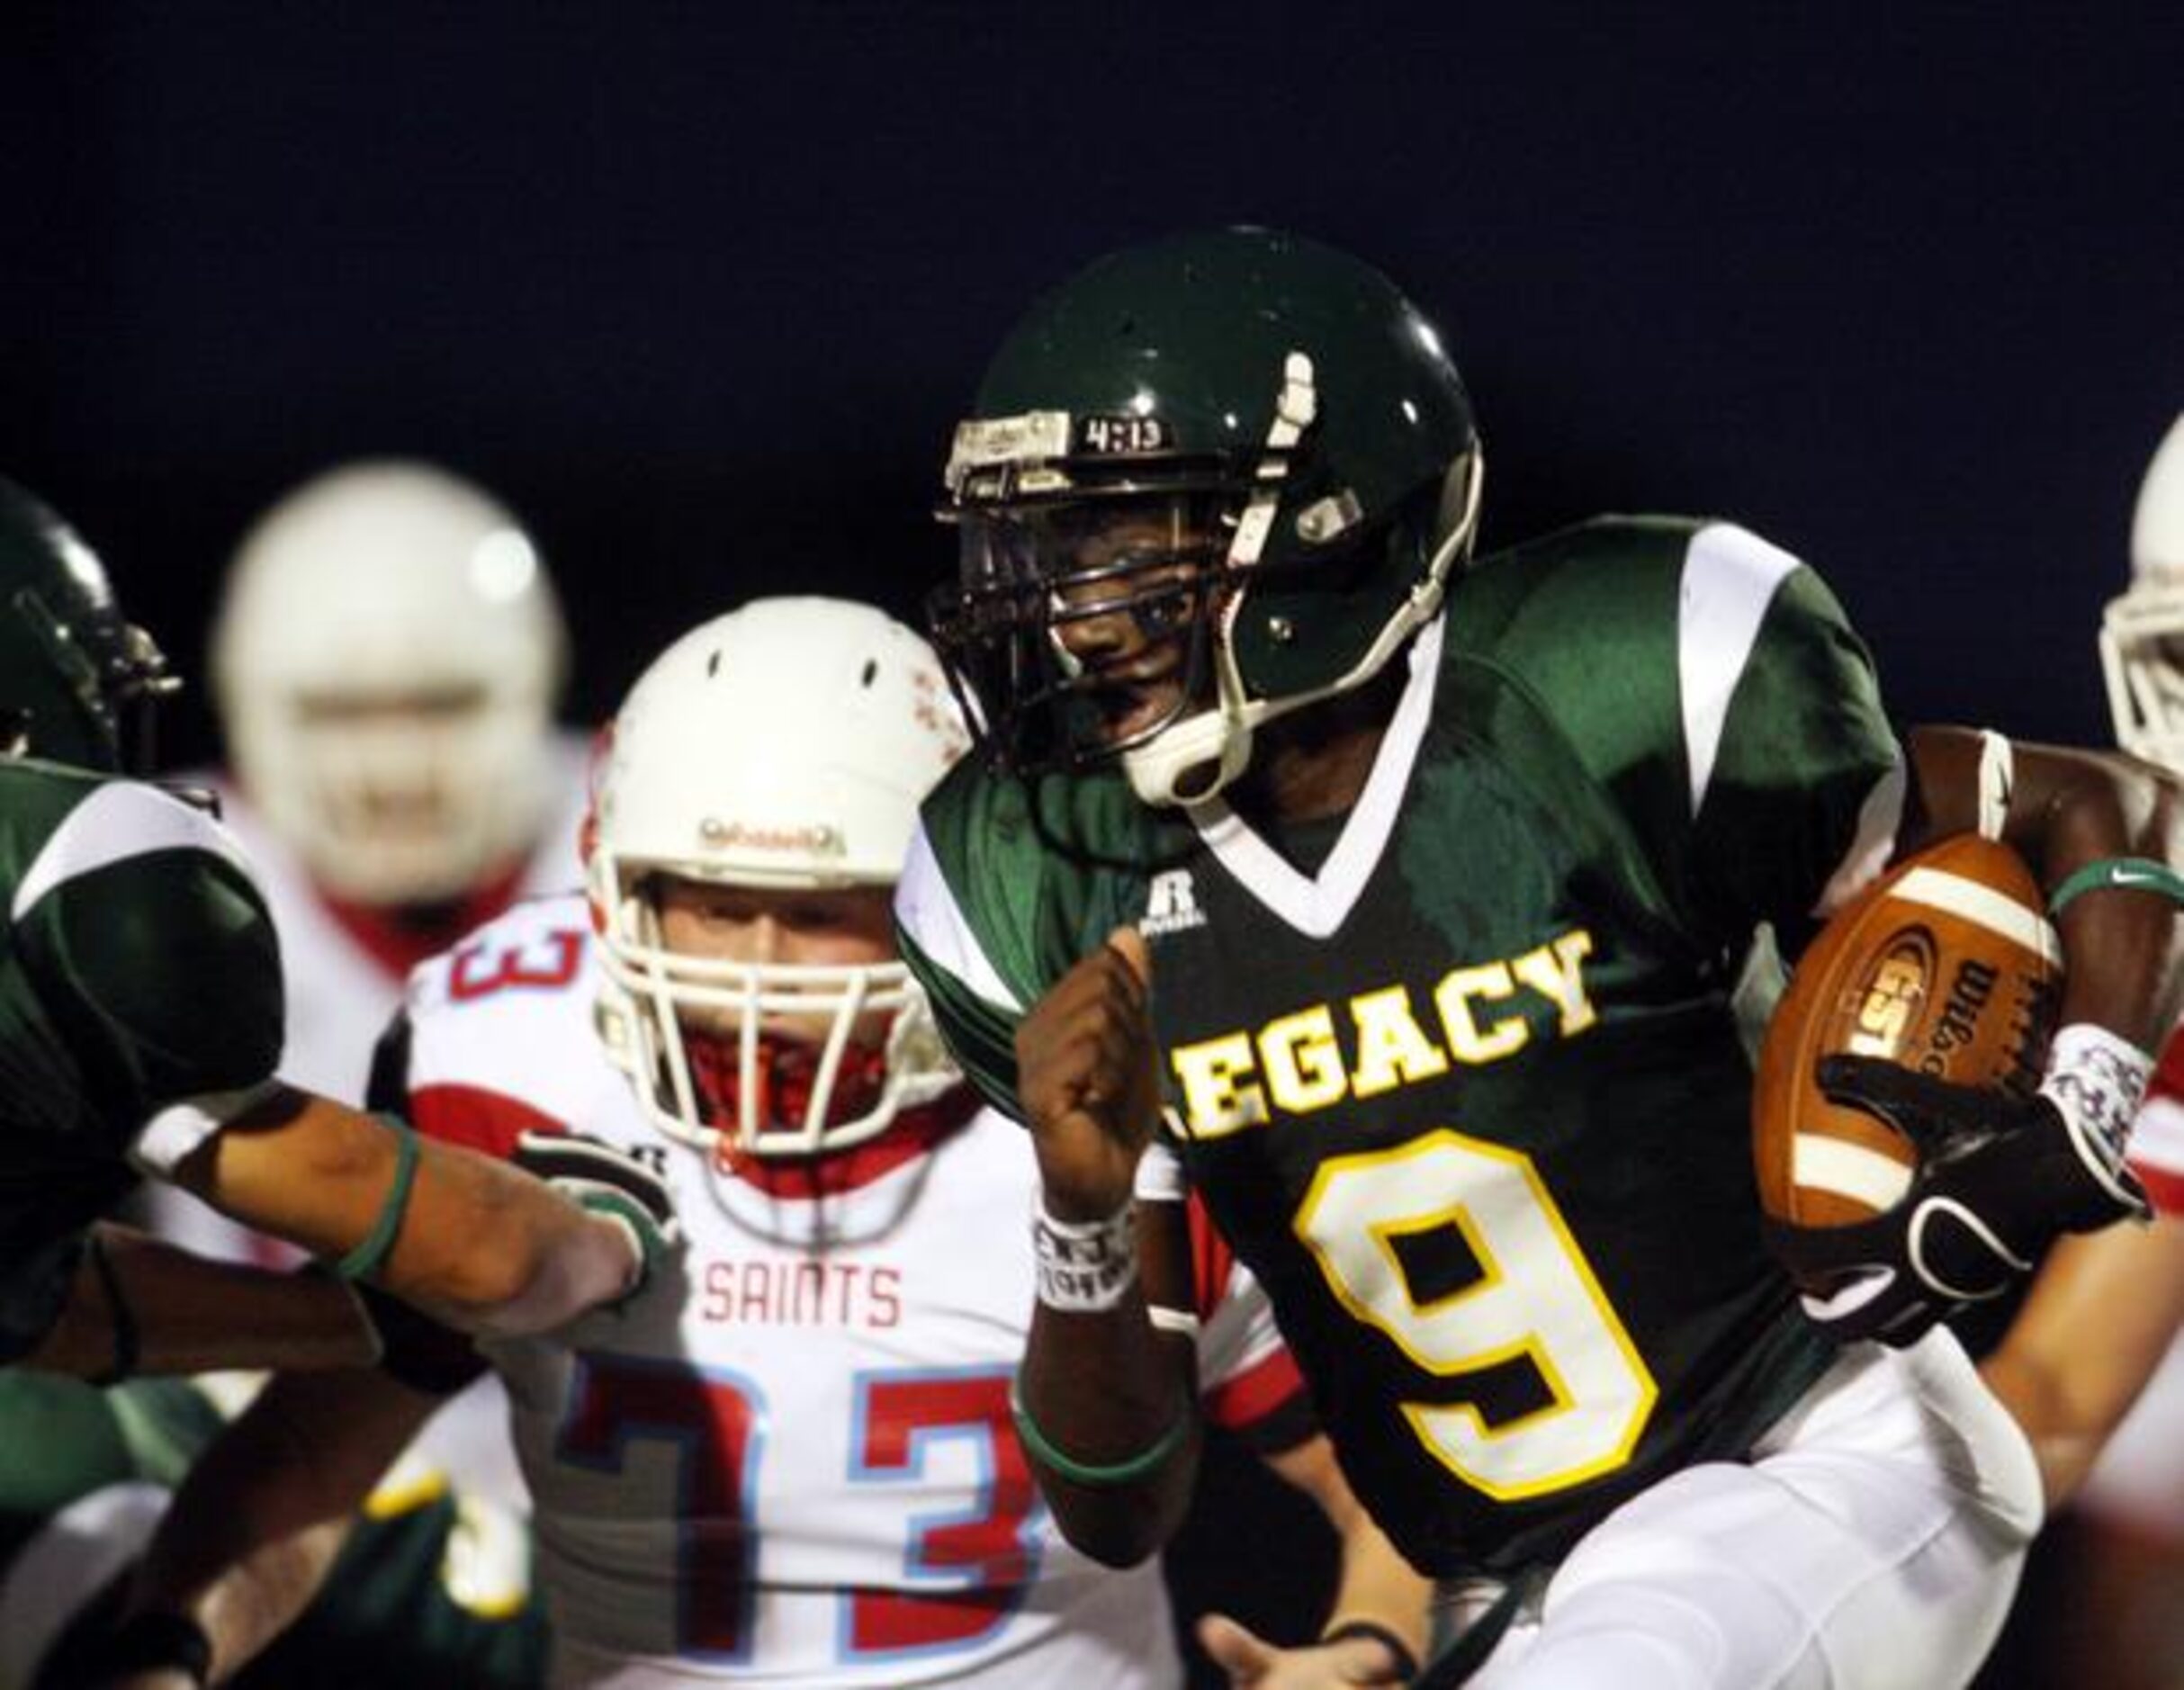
(1998, 1177)
(612, 1183)
(1087, 1075)
(1251, 1663)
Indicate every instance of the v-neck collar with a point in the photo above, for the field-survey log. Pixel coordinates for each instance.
(1317, 905)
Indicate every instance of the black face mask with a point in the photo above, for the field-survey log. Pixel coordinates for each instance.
(1070, 617)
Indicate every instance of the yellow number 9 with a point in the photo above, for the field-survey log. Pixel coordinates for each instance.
(1536, 1298)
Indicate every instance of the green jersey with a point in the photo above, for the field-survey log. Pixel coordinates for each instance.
(1465, 1092)
(140, 1006)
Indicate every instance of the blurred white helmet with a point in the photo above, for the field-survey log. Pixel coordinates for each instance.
(2141, 634)
(386, 662)
(786, 745)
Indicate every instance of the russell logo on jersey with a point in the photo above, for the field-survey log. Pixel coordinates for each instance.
(1171, 905)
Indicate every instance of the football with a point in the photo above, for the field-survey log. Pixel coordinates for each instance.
(1948, 964)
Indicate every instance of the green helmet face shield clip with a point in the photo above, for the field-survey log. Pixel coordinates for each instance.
(80, 683)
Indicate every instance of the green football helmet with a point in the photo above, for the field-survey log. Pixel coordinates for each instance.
(1209, 481)
(80, 679)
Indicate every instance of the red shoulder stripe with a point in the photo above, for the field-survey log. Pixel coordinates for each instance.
(2164, 1189)
(1257, 1393)
(397, 946)
(2168, 1077)
(1212, 1259)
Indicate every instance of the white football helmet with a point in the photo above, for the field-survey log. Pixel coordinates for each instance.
(386, 662)
(2141, 634)
(785, 745)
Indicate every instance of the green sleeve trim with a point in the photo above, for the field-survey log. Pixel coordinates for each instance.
(1096, 1474)
(2120, 873)
(367, 1256)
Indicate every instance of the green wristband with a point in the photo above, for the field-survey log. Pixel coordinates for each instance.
(2121, 873)
(367, 1257)
(1095, 1475)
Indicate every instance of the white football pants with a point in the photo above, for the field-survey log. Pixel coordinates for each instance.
(1872, 1541)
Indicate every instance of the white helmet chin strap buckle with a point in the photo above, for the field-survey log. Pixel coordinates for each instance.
(1195, 758)
(1190, 762)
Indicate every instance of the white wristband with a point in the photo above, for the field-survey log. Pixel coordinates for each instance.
(1181, 1321)
(1084, 1266)
(1160, 1177)
(2096, 1079)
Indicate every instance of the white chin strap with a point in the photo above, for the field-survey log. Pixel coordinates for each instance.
(1190, 761)
(1196, 757)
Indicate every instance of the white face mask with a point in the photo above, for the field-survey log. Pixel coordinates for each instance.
(2142, 657)
(386, 660)
(784, 747)
(391, 804)
(693, 1035)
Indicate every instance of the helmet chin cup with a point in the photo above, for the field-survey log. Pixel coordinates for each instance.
(1191, 761)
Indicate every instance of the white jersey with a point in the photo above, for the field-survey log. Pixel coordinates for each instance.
(341, 972)
(344, 969)
(2139, 1480)
(791, 1460)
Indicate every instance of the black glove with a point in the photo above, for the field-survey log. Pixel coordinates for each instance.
(609, 1182)
(1999, 1177)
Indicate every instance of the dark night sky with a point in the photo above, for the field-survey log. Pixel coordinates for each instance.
(700, 287)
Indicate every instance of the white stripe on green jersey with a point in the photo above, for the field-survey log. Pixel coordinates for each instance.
(1729, 578)
(114, 822)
